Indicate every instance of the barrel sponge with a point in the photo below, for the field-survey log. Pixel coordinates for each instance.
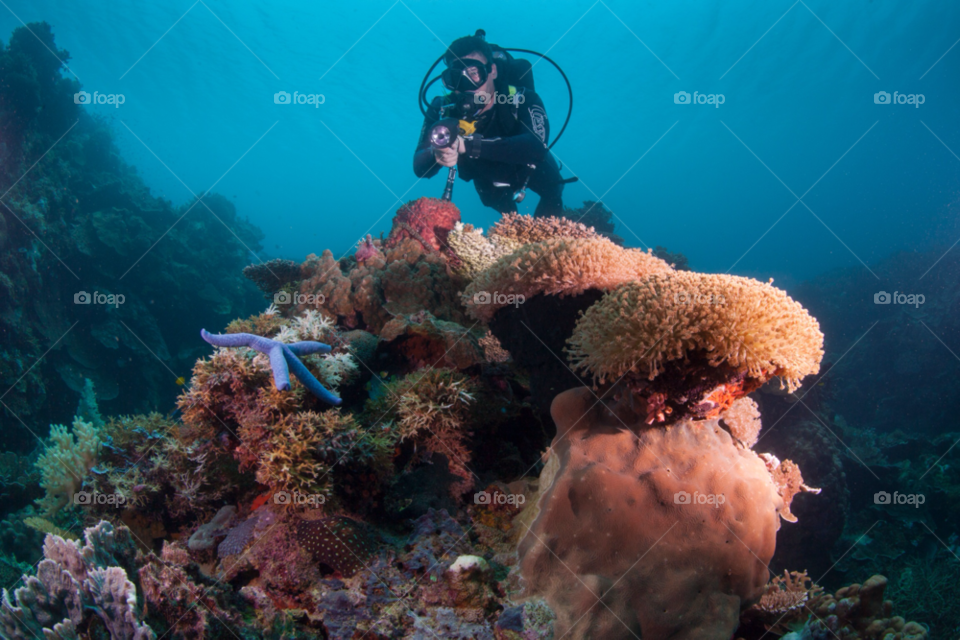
(746, 324)
(558, 266)
(670, 528)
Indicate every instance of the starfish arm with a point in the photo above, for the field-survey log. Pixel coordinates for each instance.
(308, 347)
(312, 384)
(281, 375)
(229, 339)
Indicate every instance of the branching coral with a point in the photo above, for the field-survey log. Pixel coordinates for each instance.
(559, 266)
(73, 582)
(431, 409)
(65, 462)
(476, 252)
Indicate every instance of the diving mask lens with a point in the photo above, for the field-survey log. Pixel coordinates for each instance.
(464, 75)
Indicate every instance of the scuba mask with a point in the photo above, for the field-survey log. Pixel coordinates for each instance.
(465, 74)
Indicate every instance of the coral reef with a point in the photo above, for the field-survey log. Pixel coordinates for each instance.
(676, 554)
(692, 343)
(65, 462)
(857, 612)
(272, 275)
(556, 267)
(426, 220)
(75, 584)
(283, 357)
(431, 410)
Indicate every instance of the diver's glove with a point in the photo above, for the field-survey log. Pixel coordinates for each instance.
(448, 156)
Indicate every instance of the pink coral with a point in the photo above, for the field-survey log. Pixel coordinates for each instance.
(427, 220)
(367, 249)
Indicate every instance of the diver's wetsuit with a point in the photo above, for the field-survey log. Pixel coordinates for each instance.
(498, 154)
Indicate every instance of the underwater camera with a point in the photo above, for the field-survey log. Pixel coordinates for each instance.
(444, 133)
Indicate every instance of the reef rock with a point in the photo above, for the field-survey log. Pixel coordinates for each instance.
(670, 528)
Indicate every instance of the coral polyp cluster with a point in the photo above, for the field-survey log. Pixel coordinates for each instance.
(556, 267)
(750, 326)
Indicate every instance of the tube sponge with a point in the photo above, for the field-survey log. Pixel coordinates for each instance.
(751, 326)
(558, 266)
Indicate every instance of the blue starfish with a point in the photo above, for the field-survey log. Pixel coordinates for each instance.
(283, 358)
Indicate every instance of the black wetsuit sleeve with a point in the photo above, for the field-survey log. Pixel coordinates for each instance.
(424, 163)
(527, 147)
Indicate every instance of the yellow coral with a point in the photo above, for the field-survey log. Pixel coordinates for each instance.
(558, 266)
(475, 251)
(65, 462)
(749, 325)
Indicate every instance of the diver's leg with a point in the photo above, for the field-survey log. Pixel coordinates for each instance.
(547, 183)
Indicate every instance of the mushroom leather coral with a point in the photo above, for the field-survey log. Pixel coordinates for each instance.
(610, 516)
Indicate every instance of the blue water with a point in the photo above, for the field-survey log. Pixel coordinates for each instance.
(720, 184)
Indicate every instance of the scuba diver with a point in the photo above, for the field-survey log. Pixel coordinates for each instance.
(501, 144)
